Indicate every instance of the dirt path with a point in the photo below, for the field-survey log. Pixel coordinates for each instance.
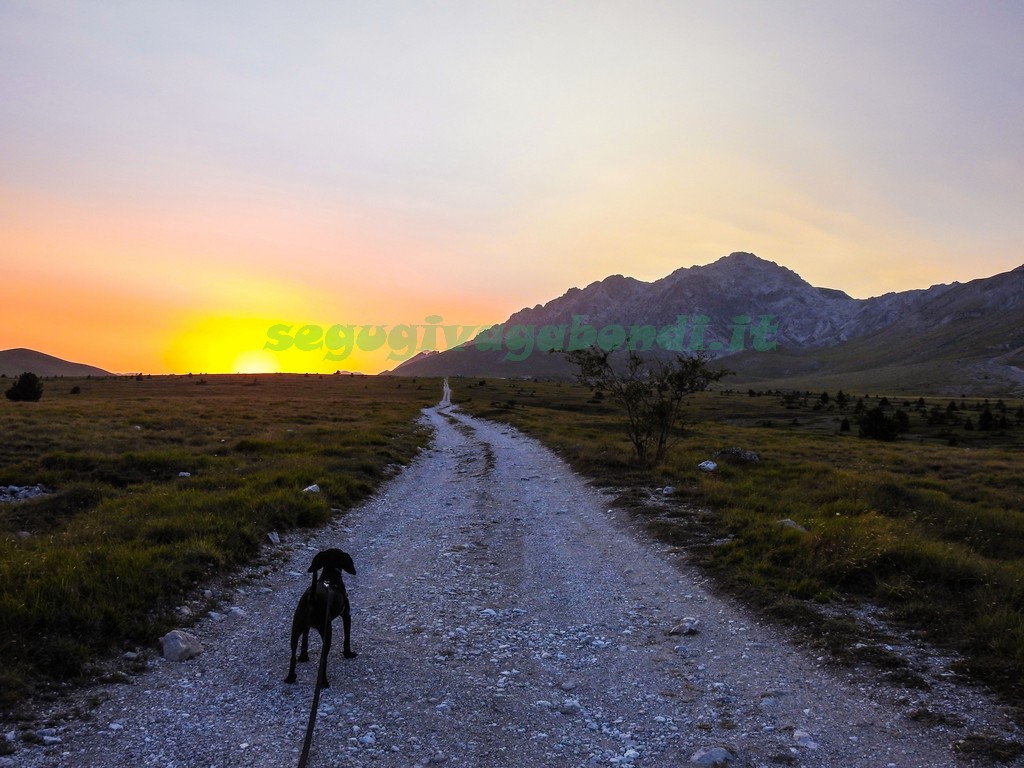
(503, 617)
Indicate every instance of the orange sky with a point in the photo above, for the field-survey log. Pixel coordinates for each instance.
(174, 182)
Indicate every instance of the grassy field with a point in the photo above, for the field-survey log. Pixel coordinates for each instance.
(930, 526)
(124, 538)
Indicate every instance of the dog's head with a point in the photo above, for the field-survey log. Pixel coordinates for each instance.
(332, 560)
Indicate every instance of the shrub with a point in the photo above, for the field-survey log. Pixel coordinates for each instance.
(878, 425)
(651, 392)
(26, 387)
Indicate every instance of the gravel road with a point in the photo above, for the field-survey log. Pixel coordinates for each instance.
(503, 616)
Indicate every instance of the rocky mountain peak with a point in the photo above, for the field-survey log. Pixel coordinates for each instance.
(721, 304)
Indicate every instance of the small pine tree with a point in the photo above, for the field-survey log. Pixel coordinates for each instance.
(26, 387)
(902, 421)
(986, 420)
(878, 425)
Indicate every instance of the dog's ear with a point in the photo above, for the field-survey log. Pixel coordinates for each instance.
(333, 558)
(319, 561)
(346, 563)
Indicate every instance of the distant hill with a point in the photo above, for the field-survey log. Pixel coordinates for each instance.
(14, 362)
(959, 338)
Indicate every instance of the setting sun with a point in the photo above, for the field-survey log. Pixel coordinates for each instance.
(256, 362)
(221, 345)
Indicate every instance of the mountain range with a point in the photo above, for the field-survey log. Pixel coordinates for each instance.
(775, 330)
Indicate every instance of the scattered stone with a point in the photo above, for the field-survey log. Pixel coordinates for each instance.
(48, 737)
(737, 456)
(215, 616)
(179, 645)
(687, 626)
(570, 707)
(311, 488)
(707, 466)
(274, 538)
(713, 758)
(12, 493)
(803, 738)
(787, 523)
(668, 490)
(184, 474)
(236, 612)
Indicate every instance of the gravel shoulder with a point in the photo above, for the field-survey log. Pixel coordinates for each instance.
(505, 616)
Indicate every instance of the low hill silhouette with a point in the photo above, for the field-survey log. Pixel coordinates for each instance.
(14, 362)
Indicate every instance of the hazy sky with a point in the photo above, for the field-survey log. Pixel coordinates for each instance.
(175, 177)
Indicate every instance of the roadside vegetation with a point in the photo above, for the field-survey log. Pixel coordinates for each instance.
(912, 505)
(650, 393)
(100, 563)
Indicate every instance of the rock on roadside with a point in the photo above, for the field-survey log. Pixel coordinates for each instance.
(179, 645)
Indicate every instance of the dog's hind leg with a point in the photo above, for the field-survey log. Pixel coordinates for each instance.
(304, 655)
(346, 620)
(296, 631)
(325, 635)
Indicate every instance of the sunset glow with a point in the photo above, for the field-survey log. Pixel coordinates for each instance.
(256, 362)
(174, 182)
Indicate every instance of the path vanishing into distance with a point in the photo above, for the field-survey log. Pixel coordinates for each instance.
(504, 615)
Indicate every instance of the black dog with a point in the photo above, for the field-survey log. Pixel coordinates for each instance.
(319, 605)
